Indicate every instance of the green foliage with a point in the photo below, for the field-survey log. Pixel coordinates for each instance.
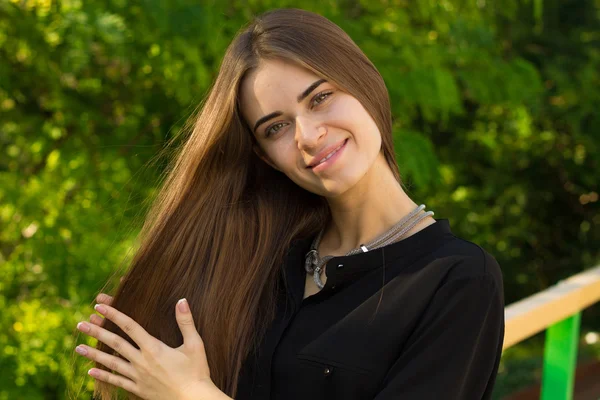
(495, 127)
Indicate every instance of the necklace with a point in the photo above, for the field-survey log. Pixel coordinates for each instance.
(314, 263)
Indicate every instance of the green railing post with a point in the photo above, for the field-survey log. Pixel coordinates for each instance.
(560, 359)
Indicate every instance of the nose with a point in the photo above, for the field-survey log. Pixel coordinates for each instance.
(308, 132)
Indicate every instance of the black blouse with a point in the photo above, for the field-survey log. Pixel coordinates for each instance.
(422, 318)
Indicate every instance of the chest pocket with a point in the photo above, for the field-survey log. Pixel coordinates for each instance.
(329, 379)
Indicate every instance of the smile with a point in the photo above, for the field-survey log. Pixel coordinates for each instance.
(330, 158)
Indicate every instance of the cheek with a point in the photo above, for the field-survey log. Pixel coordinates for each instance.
(367, 133)
(349, 114)
(283, 155)
(286, 157)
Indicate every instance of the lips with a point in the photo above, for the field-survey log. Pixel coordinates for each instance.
(326, 154)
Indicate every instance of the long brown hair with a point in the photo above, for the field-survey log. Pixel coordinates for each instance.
(223, 221)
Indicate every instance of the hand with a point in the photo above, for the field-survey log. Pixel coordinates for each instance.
(155, 371)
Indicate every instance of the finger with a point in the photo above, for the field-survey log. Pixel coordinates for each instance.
(142, 338)
(114, 341)
(96, 320)
(115, 380)
(104, 299)
(191, 337)
(111, 362)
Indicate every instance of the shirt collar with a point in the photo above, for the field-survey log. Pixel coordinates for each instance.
(343, 270)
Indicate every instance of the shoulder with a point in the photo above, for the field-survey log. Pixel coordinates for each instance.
(470, 261)
(470, 282)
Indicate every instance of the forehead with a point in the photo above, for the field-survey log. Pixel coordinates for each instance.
(272, 85)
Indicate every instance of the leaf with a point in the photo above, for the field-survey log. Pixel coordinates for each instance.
(416, 158)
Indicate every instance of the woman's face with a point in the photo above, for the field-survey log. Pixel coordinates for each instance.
(299, 119)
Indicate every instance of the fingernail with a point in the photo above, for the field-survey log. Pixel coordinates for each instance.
(183, 305)
(100, 309)
(83, 327)
(94, 372)
(81, 350)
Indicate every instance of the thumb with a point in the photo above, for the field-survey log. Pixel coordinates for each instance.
(186, 323)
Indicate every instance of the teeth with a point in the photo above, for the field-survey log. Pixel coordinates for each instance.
(331, 154)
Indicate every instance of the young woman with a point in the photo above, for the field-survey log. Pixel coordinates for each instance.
(309, 272)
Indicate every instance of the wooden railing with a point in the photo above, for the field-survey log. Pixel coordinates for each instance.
(558, 311)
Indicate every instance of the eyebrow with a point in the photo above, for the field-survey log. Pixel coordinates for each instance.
(309, 89)
(300, 97)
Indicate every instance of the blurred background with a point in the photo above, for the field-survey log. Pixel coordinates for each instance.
(496, 128)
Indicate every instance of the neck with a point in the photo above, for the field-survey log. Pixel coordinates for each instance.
(371, 207)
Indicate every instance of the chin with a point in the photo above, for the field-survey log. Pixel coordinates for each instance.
(335, 187)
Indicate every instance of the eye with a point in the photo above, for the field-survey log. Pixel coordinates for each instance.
(320, 98)
(273, 128)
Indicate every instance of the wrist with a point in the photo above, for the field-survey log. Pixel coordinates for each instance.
(204, 390)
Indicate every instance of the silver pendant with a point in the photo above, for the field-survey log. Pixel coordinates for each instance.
(317, 278)
(310, 265)
(311, 259)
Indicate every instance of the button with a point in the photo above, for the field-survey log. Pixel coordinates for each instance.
(333, 287)
(327, 371)
(340, 265)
